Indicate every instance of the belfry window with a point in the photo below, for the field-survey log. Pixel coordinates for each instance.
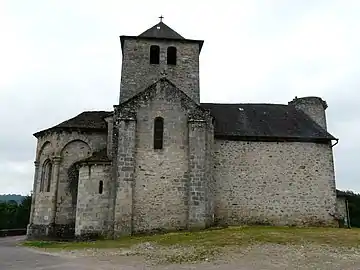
(154, 54)
(171, 56)
(158, 133)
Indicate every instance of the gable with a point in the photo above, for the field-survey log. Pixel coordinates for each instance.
(166, 90)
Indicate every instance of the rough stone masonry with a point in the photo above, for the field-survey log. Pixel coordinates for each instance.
(163, 161)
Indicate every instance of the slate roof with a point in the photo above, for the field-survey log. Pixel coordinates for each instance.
(232, 121)
(161, 30)
(342, 194)
(264, 121)
(99, 156)
(89, 120)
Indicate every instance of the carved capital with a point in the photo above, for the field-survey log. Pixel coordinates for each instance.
(56, 160)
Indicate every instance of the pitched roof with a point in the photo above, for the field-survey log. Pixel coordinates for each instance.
(264, 121)
(161, 30)
(88, 120)
(232, 121)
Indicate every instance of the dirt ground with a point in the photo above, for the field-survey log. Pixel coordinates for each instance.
(255, 257)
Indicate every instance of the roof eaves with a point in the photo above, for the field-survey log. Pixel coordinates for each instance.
(57, 129)
(235, 137)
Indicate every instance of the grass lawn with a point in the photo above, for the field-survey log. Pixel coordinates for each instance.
(232, 236)
(190, 247)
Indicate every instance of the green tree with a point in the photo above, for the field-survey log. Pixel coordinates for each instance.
(14, 215)
(23, 212)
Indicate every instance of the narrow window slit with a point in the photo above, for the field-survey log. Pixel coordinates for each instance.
(158, 133)
(101, 187)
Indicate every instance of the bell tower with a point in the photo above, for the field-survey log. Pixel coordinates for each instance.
(156, 53)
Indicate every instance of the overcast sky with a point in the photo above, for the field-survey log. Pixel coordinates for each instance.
(59, 58)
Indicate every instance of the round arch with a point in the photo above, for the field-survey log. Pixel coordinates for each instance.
(74, 141)
(41, 150)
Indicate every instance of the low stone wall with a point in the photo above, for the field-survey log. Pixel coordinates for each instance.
(50, 231)
(12, 232)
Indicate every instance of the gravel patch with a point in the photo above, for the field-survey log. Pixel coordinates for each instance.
(255, 257)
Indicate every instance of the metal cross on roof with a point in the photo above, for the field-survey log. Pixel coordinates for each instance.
(161, 18)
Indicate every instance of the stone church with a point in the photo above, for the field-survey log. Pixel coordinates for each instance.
(163, 161)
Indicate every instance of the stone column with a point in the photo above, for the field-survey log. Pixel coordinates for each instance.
(33, 198)
(197, 174)
(54, 189)
(109, 147)
(123, 209)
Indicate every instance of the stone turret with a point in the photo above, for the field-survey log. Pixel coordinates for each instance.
(314, 107)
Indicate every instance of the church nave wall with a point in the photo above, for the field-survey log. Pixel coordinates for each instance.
(279, 183)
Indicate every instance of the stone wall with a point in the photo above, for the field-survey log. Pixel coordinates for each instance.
(42, 208)
(66, 148)
(137, 73)
(93, 211)
(200, 178)
(279, 183)
(210, 187)
(157, 181)
(160, 194)
(68, 180)
(342, 211)
(110, 123)
(124, 175)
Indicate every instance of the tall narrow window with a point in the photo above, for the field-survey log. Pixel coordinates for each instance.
(48, 176)
(42, 179)
(154, 54)
(158, 132)
(101, 187)
(46, 172)
(171, 56)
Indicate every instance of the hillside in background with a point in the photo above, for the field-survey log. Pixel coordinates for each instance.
(11, 197)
